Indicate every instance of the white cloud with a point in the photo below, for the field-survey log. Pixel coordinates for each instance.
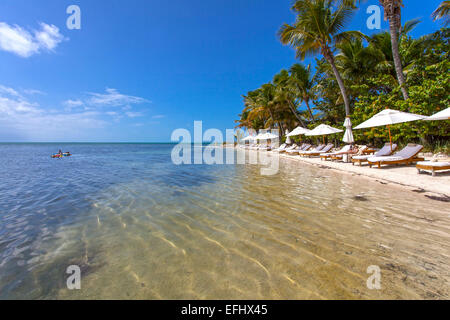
(9, 91)
(113, 98)
(22, 117)
(12, 103)
(48, 37)
(24, 43)
(133, 114)
(28, 120)
(73, 103)
(33, 91)
(159, 116)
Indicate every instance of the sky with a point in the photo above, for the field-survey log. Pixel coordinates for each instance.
(137, 70)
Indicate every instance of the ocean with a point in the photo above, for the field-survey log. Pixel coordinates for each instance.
(137, 226)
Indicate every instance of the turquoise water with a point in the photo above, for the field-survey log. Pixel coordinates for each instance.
(140, 227)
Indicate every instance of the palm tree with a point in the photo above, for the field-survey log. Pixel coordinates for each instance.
(393, 13)
(302, 82)
(318, 29)
(256, 110)
(284, 94)
(381, 42)
(442, 11)
(356, 62)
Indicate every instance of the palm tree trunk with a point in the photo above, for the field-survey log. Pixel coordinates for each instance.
(280, 131)
(309, 109)
(393, 28)
(295, 113)
(271, 116)
(330, 58)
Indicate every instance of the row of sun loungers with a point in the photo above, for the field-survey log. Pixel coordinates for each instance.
(385, 156)
(299, 149)
(317, 151)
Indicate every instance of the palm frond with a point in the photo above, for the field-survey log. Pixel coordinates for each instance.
(442, 12)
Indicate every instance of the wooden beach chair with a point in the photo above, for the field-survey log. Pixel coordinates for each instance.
(295, 151)
(405, 156)
(318, 151)
(310, 147)
(383, 152)
(292, 147)
(267, 147)
(432, 166)
(280, 148)
(347, 156)
(325, 156)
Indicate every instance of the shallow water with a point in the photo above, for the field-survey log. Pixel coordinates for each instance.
(140, 227)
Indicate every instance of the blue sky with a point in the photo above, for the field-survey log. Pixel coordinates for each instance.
(137, 70)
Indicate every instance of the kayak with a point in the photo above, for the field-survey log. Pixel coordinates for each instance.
(61, 155)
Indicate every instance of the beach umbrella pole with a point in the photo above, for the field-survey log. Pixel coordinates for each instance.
(390, 137)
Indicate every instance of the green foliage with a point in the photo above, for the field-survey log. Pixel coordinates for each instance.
(368, 72)
(428, 85)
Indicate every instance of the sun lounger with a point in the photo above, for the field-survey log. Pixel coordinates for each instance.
(280, 148)
(312, 149)
(432, 166)
(347, 156)
(318, 151)
(302, 148)
(325, 156)
(383, 152)
(406, 156)
(267, 147)
(294, 146)
(308, 147)
(295, 150)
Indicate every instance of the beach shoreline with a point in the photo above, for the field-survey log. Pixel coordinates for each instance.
(405, 177)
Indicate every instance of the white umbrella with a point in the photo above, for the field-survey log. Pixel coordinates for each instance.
(388, 117)
(288, 138)
(298, 131)
(267, 136)
(348, 135)
(441, 115)
(258, 137)
(249, 138)
(323, 130)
